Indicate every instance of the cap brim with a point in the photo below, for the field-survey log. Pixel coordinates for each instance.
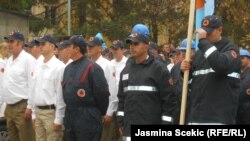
(208, 29)
(40, 41)
(8, 38)
(131, 39)
(91, 44)
(115, 46)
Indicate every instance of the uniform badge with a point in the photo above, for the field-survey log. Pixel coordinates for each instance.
(134, 35)
(81, 93)
(91, 39)
(248, 91)
(233, 54)
(115, 42)
(205, 23)
(125, 76)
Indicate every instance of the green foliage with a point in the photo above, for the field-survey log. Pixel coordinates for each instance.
(115, 18)
(236, 19)
(18, 5)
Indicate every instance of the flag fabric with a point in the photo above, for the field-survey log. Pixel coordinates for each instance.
(203, 8)
(99, 35)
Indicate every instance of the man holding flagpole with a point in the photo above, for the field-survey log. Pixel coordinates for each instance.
(215, 74)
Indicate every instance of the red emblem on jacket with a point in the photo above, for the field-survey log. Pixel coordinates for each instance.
(81, 93)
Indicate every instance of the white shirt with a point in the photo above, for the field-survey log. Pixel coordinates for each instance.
(47, 88)
(119, 66)
(2, 67)
(109, 73)
(39, 60)
(17, 78)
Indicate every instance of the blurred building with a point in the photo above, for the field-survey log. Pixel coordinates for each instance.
(13, 21)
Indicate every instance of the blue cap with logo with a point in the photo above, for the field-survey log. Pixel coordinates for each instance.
(183, 45)
(244, 52)
(211, 22)
(140, 33)
(15, 35)
(46, 38)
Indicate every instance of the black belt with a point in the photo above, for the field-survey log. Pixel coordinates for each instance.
(47, 107)
(21, 101)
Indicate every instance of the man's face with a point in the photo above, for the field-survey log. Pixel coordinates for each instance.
(138, 49)
(117, 52)
(154, 52)
(46, 47)
(5, 51)
(94, 51)
(244, 61)
(71, 51)
(14, 45)
(63, 53)
(215, 35)
(166, 49)
(33, 50)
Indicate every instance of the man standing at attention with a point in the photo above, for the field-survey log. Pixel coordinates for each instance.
(16, 92)
(145, 95)
(47, 93)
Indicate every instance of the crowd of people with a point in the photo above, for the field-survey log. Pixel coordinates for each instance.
(76, 90)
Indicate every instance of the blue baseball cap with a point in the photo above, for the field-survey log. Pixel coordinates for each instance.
(64, 44)
(183, 45)
(16, 35)
(140, 33)
(46, 38)
(244, 52)
(141, 29)
(136, 38)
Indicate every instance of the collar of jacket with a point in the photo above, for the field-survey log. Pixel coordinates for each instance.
(145, 62)
(222, 43)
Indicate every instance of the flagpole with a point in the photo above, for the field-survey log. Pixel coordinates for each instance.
(69, 17)
(188, 54)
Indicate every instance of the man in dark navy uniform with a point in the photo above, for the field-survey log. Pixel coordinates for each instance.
(243, 114)
(85, 92)
(215, 74)
(145, 95)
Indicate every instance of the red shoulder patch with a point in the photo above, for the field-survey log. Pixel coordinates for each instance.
(233, 54)
(248, 91)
